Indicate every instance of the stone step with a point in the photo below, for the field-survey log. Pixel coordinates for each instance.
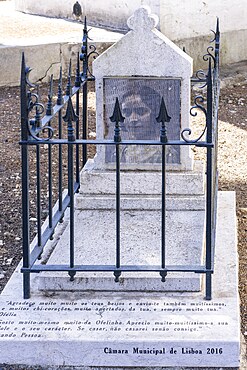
(142, 182)
(140, 238)
(136, 202)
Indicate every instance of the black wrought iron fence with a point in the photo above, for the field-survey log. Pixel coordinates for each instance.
(43, 128)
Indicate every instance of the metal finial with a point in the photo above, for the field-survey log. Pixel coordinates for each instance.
(23, 92)
(69, 72)
(68, 87)
(70, 117)
(70, 113)
(85, 24)
(60, 91)
(23, 68)
(217, 26)
(77, 77)
(163, 117)
(49, 109)
(217, 40)
(51, 86)
(117, 114)
(117, 117)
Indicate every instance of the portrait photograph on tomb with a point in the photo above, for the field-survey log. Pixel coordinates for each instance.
(140, 100)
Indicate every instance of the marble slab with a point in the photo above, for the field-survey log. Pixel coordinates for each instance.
(95, 244)
(99, 329)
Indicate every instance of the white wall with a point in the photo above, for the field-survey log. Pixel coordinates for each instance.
(187, 22)
(111, 13)
(115, 13)
(181, 19)
(45, 7)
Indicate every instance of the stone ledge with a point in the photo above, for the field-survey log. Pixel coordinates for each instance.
(196, 203)
(95, 244)
(179, 183)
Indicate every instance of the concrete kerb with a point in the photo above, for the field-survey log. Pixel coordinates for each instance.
(47, 43)
(44, 60)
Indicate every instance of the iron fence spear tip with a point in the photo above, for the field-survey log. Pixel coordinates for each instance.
(70, 113)
(23, 62)
(23, 67)
(217, 26)
(51, 86)
(117, 114)
(163, 115)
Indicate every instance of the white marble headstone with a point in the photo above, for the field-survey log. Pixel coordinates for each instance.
(140, 69)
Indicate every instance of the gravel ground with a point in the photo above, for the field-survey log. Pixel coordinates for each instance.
(232, 167)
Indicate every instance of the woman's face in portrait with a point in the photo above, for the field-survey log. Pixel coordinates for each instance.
(137, 116)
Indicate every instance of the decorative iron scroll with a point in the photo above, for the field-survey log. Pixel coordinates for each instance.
(198, 99)
(216, 40)
(28, 82)
(200, 76)
(209, 54)
(34, 125)
(94, 54)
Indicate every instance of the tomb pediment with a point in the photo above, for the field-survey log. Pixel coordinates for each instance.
(143, 51)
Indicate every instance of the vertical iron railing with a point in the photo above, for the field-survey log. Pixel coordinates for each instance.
(25, 180)
(84, 58)
(209, 181)
(162, 118)
(47, 130)
(78, 84)
(117, 118)
(70, 117)
(38, 131)
(60, 101)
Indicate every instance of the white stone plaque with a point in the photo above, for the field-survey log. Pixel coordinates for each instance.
(129, 331)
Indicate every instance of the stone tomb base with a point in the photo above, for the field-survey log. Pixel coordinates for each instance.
(97, 329)
(140, 237)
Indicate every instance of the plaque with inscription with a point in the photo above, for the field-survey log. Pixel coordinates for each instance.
(127, 330)
(140, 100)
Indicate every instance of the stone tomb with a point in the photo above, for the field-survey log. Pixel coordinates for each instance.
(161, 69)
(83, 323)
